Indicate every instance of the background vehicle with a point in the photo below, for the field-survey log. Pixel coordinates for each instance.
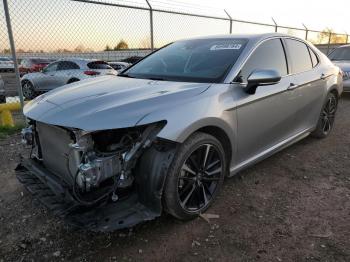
(33, 64)
(163, 134)
(119, 66)
(2, 91)
(6, 64)
(341, 57)
(63, 72)
(132, 59)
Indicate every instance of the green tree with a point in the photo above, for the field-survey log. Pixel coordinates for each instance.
(121, 45)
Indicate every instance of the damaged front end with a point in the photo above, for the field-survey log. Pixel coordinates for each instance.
(100, 181)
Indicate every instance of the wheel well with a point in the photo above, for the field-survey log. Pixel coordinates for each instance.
(221, 135)
(335, 92)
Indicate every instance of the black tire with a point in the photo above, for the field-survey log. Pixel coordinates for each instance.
(188, 184)
(28, 90)
(327, 116)
(2, 99)
(73, 80)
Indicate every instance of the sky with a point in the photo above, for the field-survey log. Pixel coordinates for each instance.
(63, 24)
(314, 14)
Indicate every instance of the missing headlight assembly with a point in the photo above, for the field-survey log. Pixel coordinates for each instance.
(96, 179)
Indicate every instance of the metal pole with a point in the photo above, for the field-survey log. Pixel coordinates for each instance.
(276, 26)
(151, 23)
(13, 51)
(329, 41)
(306, 31)
(230, 20)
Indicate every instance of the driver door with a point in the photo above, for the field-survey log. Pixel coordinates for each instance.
(265, 118)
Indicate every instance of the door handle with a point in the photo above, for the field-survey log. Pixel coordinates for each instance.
(323, 76)
(292, 86)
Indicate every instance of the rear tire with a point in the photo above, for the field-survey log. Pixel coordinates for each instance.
(327, 116)
(195, 176)
(28, 90)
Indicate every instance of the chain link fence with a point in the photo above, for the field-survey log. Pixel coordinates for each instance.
(75, 31)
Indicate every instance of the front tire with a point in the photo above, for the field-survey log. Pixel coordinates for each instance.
(195, 176)
(327, 116)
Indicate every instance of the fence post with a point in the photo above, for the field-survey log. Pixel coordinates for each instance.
(13, 51)
(230, 20)
(347, 37)
(276, 26)
(151, 23)
(306, 31)
(329, 41)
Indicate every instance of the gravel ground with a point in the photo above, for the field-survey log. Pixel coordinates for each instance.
(294, 206)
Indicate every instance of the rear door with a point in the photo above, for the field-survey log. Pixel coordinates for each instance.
(66, 71)
(309, 83)
(264, 119)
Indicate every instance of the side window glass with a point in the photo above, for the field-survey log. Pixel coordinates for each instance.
(67, 65)
(51, 68)
(269, 55)
(314, 58)
(300, 56)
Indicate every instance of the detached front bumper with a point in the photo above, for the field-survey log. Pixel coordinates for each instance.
(56, 196)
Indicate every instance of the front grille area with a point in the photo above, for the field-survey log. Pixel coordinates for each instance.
(54, 144)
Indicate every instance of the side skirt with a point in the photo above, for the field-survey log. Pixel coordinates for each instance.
(270, 151)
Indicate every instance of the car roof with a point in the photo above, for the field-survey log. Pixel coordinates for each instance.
(254, 37)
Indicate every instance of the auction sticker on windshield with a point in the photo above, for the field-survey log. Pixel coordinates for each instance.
(225, 47)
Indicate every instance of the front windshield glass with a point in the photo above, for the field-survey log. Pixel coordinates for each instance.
(201, 60)
(342, 53)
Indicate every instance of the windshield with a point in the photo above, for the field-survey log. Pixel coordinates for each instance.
(5, 59)
(342, 53)
(41, 61)
(201, 60)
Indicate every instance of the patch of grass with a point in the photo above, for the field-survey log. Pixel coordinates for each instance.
(6, 130)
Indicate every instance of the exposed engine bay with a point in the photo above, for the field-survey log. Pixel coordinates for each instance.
(90, 172)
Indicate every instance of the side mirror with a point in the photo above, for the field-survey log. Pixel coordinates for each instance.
(261, 78)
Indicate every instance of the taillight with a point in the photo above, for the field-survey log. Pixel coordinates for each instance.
(91, 73)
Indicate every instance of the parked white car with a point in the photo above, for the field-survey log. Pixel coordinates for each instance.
(6, 64)
(63, 72)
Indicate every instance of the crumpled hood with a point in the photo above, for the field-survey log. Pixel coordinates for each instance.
(109, 102)
(343, 65)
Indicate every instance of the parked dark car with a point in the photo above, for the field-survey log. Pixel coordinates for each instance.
(132, 59)
(31, 65)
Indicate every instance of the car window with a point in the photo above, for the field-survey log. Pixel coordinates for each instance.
(67, 65)
(99, 65)
(300, 56)
(51, 67)
(314, 58)
(269, 55)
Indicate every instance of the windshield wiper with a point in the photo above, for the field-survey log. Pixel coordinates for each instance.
(156, 78)
(126, 75)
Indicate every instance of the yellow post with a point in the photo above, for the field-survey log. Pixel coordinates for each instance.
(5, 113)
(6, 118)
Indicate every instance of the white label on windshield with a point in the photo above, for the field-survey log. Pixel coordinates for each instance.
(225, 46)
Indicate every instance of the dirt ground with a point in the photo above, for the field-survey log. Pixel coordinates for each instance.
(294, 206)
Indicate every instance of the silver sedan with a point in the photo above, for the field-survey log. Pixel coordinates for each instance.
(63, 72)
(341, 57)
(163, 135)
